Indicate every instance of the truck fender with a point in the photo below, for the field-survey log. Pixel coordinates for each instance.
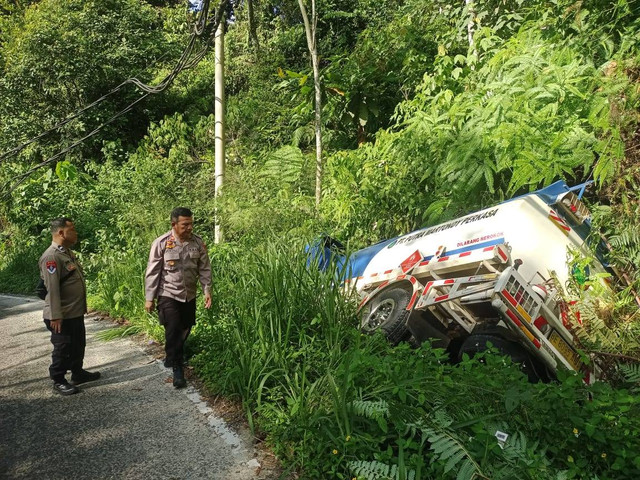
(416, 288)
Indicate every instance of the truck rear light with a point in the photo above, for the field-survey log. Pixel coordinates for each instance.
(570, 204)
(520, 295)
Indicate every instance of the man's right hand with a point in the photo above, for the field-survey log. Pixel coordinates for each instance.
(148, 306)
(56, 325)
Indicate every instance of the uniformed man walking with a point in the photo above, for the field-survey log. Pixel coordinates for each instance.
(64, 308)
(176, 261)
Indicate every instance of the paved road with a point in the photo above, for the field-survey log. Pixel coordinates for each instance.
(130, 424)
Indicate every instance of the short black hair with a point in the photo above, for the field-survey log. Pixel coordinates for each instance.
(58, 223)
(180, 212)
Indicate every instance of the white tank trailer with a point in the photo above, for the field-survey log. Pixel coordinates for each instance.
(489, 277)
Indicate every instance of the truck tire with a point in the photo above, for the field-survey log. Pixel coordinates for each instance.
(387, 311)
(530, 366)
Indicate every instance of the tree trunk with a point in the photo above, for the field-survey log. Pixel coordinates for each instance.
(219, 124)
(310, 30)
(472, 15)
(253, 35)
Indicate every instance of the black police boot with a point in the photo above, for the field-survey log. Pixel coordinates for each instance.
(178, 377)
(65, 388)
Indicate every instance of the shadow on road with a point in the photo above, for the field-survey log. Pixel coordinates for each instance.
(117, 427)
(10, 305)
(129, 424)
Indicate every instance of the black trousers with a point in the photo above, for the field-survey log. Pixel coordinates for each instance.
(177, 318)
(68, 348)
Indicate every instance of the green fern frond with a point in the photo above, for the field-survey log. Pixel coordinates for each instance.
(436, 209)
(517, 446)
(467, 471)
(375, 470)
(370, 409)
(284, 165)
(453, 460)
(600, 327)
(302, 136)
(441, 418)
(626, 238)
(409, 417)
(446, 447)
(631, 373)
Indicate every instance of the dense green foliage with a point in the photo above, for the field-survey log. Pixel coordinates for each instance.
(421, 124)
(339, 404)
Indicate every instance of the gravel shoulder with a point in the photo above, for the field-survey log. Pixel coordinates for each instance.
(130, 424)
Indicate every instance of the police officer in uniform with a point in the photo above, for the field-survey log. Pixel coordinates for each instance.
(64, 308)
(177, 260)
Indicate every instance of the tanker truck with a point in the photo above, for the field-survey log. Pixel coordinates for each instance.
(491, 278)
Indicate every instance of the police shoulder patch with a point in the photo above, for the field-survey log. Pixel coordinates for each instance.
(51, 266)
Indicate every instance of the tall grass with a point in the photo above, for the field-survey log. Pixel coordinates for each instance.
(333, 403)
(287, 324)
(19, 271)
(118, 290)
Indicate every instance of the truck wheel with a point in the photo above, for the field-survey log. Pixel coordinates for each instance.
(387, 311)
(531, 367)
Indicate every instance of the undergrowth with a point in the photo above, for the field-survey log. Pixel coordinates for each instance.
(334, 403)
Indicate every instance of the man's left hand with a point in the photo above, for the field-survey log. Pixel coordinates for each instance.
(148, 306)
(207, 300)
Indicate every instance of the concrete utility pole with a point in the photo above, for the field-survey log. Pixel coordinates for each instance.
(472, 16)
(219, 105)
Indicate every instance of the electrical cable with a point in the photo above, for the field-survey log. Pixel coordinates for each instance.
(182, 64)
(22, 146)
(22, 177)
(73, 116)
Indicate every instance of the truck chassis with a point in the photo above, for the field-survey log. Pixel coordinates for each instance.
(462, 300)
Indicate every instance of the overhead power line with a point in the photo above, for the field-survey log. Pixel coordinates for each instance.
(182, 64)
(22, 177)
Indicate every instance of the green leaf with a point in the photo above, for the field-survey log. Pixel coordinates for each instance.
(511, 400)
(460, 59)
(382, 423)
(363, 114)
(66, 171)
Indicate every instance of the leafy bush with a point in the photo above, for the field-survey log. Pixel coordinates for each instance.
(545, 90)
(335, 403)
